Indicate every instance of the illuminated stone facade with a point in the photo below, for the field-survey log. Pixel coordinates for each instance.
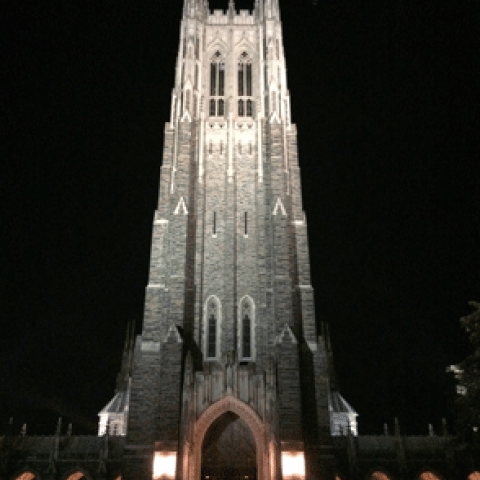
(229, 377)
(229, 325)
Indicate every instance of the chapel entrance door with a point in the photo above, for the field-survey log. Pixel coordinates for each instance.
(228, 450)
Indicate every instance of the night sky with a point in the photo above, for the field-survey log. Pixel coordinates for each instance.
(383, 94)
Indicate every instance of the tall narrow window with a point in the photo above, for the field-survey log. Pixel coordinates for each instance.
(240, 80)
(212, 320)
(212, 336)
(246, 224)
(247, 337)
(240, 108)
(217, 86)
(214, 226)
(197, 47)
(249, 108)
(221, 79)
(244, 80)
(213, 78)
(246, 330)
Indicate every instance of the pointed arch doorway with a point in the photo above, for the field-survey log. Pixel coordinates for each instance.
(228, 450)
(229, 443)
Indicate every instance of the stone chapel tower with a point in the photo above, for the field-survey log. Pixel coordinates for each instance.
(229, 377)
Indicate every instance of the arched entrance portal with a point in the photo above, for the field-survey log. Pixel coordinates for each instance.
(216, 452)
(228, 450)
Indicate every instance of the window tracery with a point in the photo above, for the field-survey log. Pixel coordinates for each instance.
(244, 84)
(217, 86)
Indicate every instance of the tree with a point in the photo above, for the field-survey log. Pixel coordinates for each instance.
(467, 374)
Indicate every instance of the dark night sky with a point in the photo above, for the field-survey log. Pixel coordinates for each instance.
(383, 94)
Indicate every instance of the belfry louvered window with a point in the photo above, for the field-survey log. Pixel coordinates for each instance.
(244, 82)
(217, 86)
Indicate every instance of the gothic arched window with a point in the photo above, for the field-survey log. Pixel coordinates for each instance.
(217, 86)
(244, 83)
(212, 327)
(247, 327)
(246, 336)
(212, 336)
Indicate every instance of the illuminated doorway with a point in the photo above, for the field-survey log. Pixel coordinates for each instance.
(228, 450)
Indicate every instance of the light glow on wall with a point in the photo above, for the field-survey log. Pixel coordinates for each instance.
(164, 465)
(293, 465)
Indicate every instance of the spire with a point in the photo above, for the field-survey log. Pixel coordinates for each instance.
(272, 10)
(195, 8)
(127, 357)
(231, 8)
(329, 351)
(258, 9)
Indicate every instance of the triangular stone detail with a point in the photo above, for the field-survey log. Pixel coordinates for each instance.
(173, 335)
(286, 335)
(181, 207)
(279, 205)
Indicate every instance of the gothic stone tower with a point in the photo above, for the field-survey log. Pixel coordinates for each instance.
(229, 376)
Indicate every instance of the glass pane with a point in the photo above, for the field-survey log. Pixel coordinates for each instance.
(212, 108)
(246, 341)
(249, 80)
(240, 79)
(212, 337)
(240, 108)
(221, 108)
(213, 68)
(221, 80)
(249, 108)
